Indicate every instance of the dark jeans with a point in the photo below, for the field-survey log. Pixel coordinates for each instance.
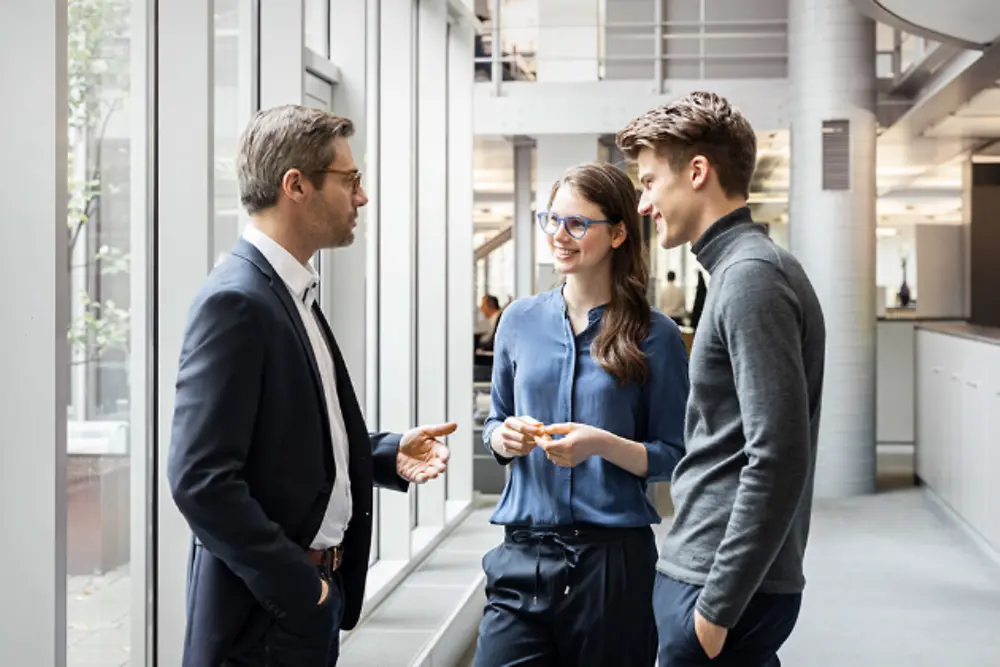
(754, 642)
(572, 600)
(268, 643)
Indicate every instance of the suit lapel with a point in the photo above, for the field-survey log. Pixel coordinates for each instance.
(247, 250)
(353, 418)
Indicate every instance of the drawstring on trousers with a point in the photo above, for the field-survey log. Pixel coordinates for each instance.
(570, 553)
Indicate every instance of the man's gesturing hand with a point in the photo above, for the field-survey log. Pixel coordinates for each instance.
(516, 436)
(421, 455)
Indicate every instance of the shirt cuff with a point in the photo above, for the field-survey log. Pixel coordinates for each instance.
(659, 467)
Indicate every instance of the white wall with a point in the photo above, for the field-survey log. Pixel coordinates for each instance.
(604, 107)
(567, 40)
(889, 252)
(941, 255)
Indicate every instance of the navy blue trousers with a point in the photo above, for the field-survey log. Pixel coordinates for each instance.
(267, 643)
(754, 642)
(577, 597)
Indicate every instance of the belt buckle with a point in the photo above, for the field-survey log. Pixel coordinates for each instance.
(334, 556)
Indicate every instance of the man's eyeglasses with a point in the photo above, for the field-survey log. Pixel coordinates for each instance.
(354, 174)
(576, 225)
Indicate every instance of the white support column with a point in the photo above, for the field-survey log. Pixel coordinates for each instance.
(832, 72)
(525, 228)
(185, 205)
(555, 153)
(461, 47)
(496, 52)
(397, 238)
(658, 46)
(432, 239)
(282, 66)
(34, 352)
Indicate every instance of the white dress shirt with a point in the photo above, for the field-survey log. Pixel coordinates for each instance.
(301, 281)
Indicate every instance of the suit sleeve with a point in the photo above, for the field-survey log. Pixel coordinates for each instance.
(218, 390)
(385, 447)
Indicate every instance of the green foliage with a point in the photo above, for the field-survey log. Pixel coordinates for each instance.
(98, 69)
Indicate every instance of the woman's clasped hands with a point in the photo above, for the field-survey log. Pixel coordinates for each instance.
(517, 436)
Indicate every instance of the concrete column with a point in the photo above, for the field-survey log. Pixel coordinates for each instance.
(554, 154)
(832, 77)
(567, 40)
(524, 219)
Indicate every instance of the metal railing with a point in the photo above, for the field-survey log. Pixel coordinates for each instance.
(656, 50)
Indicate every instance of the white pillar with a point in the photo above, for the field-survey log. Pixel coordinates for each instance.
(461, 47)
(397, 319)
(832, 231)
(554, 153)
(567, 40)
(524, 220)
(34, 353)
(185, 196)
(432, 238)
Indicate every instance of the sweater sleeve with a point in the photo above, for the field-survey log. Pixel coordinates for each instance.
(760, 322)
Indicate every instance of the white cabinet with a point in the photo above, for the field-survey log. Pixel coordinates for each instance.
(958, 426)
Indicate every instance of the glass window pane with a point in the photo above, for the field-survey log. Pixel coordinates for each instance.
(318, 26)
(235, 103)
(106, 220)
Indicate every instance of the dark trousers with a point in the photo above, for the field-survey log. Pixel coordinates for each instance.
(579, 597)
(269, 643)
(754, 642)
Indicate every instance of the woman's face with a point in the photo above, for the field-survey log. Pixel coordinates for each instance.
(580, 255)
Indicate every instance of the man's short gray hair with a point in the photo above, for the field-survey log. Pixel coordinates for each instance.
(283, 138)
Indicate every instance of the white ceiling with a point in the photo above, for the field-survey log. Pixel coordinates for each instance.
(975, 21)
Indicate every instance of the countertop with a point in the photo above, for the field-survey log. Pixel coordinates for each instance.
(964, 330)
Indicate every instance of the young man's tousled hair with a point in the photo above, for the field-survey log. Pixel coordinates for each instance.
(699, 124)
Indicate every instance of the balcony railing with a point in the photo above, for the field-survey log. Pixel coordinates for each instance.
(632, 50)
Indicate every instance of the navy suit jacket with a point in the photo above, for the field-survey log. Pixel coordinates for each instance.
(251, 463)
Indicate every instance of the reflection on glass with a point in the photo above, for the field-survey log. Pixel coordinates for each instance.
(99, 220)
(234, 104)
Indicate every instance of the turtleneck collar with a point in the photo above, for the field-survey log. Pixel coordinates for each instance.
(713, 244)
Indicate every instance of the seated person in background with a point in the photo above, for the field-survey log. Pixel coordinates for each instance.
(592, 364)
(672, 301)
(487, 327)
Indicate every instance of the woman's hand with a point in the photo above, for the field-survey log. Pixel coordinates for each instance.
(517, 436)
(580, 443)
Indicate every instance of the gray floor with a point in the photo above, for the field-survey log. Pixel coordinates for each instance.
(893, 582)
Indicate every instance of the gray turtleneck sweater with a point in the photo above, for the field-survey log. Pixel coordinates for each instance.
(743, 491)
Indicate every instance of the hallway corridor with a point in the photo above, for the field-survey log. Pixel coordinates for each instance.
(894, 582)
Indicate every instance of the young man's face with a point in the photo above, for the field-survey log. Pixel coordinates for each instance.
(670, 198)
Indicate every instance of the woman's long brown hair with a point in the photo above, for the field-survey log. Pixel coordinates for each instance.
(618, 346)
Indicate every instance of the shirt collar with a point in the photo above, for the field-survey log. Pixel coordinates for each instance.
(298, 277)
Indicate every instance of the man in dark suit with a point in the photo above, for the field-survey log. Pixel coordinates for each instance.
(271, 462)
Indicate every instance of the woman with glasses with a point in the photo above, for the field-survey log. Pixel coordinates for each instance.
(588, 399)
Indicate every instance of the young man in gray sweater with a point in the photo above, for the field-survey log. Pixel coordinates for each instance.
(730, 572)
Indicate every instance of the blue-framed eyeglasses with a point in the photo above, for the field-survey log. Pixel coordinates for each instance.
(576, 225)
